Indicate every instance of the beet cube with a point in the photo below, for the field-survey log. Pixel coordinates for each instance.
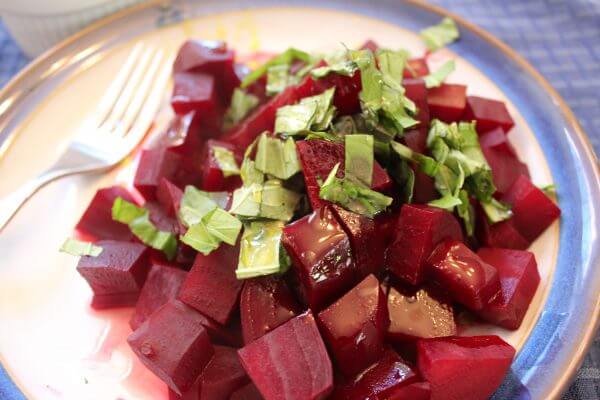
(496, 139)
(162, 284)
(418, 313)
(506, 167)
(502, 234)
(211, 286)
(369, 44)
(195, 92)
(321, 256)
(416, 68)
(318, 157)
(463, 274)
(265, 303)
(248, 392)
(414, 391)
(347, 88)
(368, 247)
(466, 368)
(154, 165)
(519, 279)
(354, 326)
(447, 102)
(418, 230)
(114, 300)
(120, 271)
(213, 179)
(169, 196)
(417, 92)
(382, 380)
(174, 345)
(290, 362)
(97, 220)
(488, 113)
(533, 211)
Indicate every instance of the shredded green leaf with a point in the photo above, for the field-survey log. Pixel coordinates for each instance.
(268, 200)
(241, 104)
(438, 36)
(426, 164)
(345, 67)
(76, 247)
(549, 190)
(324, 111)
(277, 157)
(324, 136)
(226, 161)
(260, 250)
(285, 58)
(447, 202)
(466, 212)
(436, 78)
(222, 225)
(200, 239)
(496, 211)
(195, 205)
(359, 158)
(278, 78)
(295, 118)
(403, 174)
(392, 63)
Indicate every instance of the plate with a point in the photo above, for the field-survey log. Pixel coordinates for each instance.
(52, 345)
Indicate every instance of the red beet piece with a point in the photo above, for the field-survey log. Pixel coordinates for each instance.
(265, 304)
(419, 229)
(488, 113)
(370, 44)
(213, 179)
(414, 391)
(416, 139)
(248, 392)
(290, 362)
(174, 345)
(506, 167)
(202, 56)
(519, 279)
(221, 377)
(318, 157)
(416, 68)
(169, 197)
(463, 274)
(162, 284)
(154, 165)
(347, 88)
(119, 271)
(418, 313)
(322, 257)
(496, 139)
(533, 211)
(464, 368)
(424, 187)
(195, 92)
(447, 102)
(368, 248)
(502, 234)
(354, 326)
(97, 219)
(104, 301)
(211, 286)
(417, 92)
(381, 380)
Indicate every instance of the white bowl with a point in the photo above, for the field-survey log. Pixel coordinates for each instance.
(37, 25)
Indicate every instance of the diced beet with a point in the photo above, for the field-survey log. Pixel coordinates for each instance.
(174, 345)
(414, 391)
(161, 220)
(488, 113)
(213, 179)
(290, 362)
(347, 88)
(195, 92)
(465, 368)
(154, 165)
(502, 234)
(533, 211)
(382, 380)
(519, 279)
(222, 376)
(119, 271)
(418, 313)
(506, 168)
(417, 92)
(318, 157)
(424, 187)
(418, 230)
(463, 274)
(496, 139)
(162, 284)
(447, 102)
(265, 303)
(104, 301)
(416, 68)
(368, 248)
(369, 44)
(211, 286)
(169, 196)
(248, 392)
(416, 139)
(354, 326)
(97, 220)
(321, 256)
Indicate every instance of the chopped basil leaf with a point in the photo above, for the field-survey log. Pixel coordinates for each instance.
(200, 239)
(138, 220)
(345, 125)
(246, 200)
(426, 164)
(324, 110)
(195, 205)
(248, 171)
(268, 200)
(359, 158)
(222, 225)
(447, 202)
(285, 58)
(324, 136)
(496, 211)
(260, 250)
(403, 174)
(226, 161)
(353, 196)
(436, 78)
(438, 36)
(241, 104)
(392, 63)
(276, 157)
(76, 247)
(295, 118)
(278, 78)
(345, 67)
(466, 212)
(549, 190)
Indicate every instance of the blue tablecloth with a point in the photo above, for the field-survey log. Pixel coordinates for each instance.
(561, 38)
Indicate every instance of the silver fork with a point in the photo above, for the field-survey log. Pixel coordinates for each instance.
(123, 117)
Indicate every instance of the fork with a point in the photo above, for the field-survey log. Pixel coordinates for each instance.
(122, 119)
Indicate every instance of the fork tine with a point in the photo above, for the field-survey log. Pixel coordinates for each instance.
(111, 95)
(116, 113)
(141, 93)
